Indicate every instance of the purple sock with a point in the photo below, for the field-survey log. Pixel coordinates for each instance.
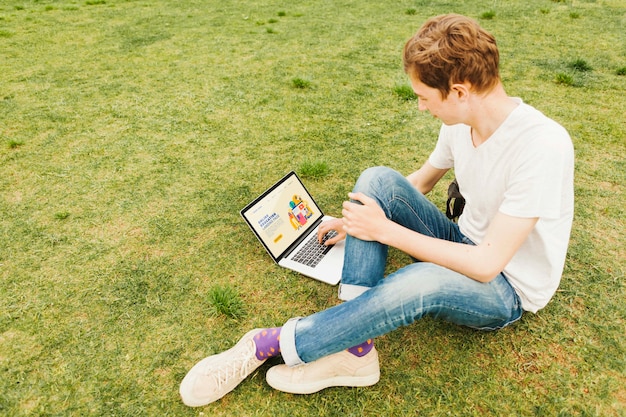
(267, 343)
(362, 349)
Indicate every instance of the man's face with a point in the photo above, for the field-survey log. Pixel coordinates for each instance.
(429, 99)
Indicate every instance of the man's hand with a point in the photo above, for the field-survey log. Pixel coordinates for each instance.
(327, 226)
(365, 221)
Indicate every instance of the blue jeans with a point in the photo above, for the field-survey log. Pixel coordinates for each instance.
(376, 305)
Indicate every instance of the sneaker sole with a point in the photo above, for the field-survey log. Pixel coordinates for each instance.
(338, 381)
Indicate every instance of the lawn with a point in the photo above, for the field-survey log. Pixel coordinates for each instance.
(133, 132)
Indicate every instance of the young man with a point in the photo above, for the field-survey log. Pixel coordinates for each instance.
(514, 167)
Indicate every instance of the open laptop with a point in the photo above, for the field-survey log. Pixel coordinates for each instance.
(285, 219)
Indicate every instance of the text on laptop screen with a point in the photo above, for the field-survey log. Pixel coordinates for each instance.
(282, 215)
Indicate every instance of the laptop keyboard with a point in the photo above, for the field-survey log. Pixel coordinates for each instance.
(312, 252)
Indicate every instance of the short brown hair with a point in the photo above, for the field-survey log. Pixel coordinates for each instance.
(450, 49)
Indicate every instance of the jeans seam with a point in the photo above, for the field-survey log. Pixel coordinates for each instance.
(410, 208)
(455, 308)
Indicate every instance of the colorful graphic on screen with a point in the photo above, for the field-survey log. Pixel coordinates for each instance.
(299, 212)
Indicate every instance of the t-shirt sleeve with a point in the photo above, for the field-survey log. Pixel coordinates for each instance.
(442, 156)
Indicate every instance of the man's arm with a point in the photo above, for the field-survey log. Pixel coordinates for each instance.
(482, 262)
(425, 178)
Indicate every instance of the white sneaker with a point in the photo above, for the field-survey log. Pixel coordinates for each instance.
(217, 375)
(341, 369)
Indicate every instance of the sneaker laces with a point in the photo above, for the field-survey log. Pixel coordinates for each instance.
(243, 364)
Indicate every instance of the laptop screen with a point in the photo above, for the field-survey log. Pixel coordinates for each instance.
(282, 214)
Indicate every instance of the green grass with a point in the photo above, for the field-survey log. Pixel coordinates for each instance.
(133, 132)
(404, 92)
(226, 301)
(580, 65)
(313, 169)
(488, 15)
(564, 78)
(301, 83)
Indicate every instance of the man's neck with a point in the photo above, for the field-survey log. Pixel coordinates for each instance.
(488, 113)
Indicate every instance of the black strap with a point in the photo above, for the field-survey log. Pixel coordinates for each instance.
(455, 203)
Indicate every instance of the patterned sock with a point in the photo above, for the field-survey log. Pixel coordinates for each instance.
(362, 349)
(267, 343)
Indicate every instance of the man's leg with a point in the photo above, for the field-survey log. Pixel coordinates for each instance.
(317, 343)
(364, 262)
(410, 293)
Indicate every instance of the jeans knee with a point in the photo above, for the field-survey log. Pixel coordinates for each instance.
(372, 179)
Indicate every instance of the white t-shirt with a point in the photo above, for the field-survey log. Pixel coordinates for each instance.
(525, 169)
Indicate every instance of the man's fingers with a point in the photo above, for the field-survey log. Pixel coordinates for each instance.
(334, 240)
(362, 198)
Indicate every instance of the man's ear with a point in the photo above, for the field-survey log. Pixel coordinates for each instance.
(460, 90)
